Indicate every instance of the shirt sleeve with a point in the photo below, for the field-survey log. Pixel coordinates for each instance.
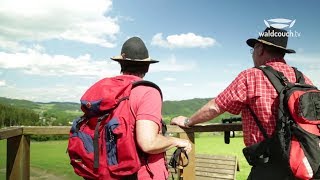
(307, 80)
(233, 98)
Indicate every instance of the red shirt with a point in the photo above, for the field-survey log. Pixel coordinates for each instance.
(251, 87)
(146, 103)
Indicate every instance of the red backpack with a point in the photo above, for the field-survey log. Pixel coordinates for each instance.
(295, 144)
(102, 142)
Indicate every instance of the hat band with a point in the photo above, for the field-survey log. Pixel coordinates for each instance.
(271, 44)
(121, 57)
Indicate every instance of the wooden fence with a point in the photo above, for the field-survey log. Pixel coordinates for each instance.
(18, 145)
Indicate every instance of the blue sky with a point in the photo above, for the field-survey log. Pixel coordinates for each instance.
(54, 50)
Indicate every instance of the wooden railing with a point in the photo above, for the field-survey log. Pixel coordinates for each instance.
(18, 145)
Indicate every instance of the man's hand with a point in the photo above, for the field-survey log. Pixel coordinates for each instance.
(180, 121)
(183, 143)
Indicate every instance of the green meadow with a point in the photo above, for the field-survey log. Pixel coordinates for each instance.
(49, 159)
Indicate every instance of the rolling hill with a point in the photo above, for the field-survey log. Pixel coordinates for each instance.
(61, 113)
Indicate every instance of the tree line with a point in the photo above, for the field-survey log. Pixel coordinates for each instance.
(15, 112)
(13, 116)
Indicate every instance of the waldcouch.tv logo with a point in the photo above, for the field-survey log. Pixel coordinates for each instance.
(279, 23)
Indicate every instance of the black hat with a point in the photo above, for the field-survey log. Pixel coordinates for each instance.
(134, 50)
(273, 37)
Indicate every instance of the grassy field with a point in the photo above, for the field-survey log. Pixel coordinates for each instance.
(214, 144)
(49, 160)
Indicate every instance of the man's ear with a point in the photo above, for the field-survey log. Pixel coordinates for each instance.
(261, 50)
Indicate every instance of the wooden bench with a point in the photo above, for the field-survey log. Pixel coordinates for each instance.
(213, 167)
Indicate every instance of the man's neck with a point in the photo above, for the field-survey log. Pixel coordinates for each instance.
(140, 75)
(271, 58)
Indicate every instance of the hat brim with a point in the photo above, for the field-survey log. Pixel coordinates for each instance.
(252, 42)
(121, 59)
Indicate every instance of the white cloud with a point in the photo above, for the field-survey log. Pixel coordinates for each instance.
(60, 69)
(2, 83)
(308, 64)
(189, 40)
(181, 92)
(187, 84)
(83, 69)
(38, 20)
(65, 93)
(217, 87)
(172, 65)
(303, 58)
(169, 79)
(36, 63)
(33, 62)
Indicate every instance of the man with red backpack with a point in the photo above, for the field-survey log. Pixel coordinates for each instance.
(146, 105)
(131, 124)
(279, 144)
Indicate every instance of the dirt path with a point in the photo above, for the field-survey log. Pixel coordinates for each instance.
(39, 174)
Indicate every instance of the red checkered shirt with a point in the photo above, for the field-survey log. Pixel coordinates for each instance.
(252, 88)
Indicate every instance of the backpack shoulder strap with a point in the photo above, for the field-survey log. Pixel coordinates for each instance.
(151, 84)
(299, 76)
(147, 83)
(255, 118)
(277, 79)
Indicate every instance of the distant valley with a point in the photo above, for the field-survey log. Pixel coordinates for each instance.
(24, 112)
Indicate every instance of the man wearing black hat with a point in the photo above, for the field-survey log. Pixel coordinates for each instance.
(251, 90)
(146, 106)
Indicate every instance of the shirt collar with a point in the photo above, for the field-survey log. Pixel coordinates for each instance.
(276, 60)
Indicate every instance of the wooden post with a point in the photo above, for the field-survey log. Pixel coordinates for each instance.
(18, 158)
(189, 172)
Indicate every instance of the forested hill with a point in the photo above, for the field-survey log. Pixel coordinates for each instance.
(38, 105)
(183, 107)
(61, 113)
(53, 113)
(19, 103)
(170, 108)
